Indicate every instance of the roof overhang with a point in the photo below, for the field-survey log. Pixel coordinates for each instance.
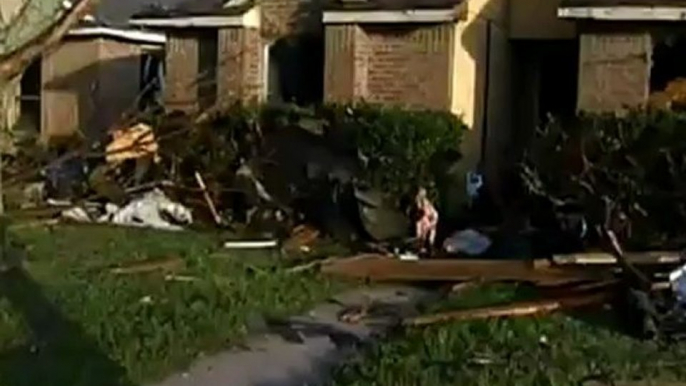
(624, 13)
(394, 16)
(247, 19)
(143, 37)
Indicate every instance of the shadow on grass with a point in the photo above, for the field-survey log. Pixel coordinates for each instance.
(59, 352)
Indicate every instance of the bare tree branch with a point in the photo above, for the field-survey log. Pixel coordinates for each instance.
(15, 62)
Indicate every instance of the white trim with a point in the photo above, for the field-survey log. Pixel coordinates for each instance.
(628, 13)
(249, 19)
(136, 36)
(401, 16)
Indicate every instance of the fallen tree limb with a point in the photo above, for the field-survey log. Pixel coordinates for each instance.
(15, 62)
(512, 310)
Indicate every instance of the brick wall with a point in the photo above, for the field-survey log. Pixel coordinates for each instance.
(284, 17)
(345, 62)
(410, 65)
(614, 71)
(403, 64)
(240, 75)
(181, 87)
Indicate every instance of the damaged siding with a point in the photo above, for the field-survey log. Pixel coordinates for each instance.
(404, 65)
(88, 84)
(69, 77)
(182, 67)
(614, 71)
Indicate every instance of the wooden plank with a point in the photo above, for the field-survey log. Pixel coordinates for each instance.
(635, 258)
(516, 309)
(388, 269)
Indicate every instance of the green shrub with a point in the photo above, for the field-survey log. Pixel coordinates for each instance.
(397, 147)
(400, 146)
(627, 173)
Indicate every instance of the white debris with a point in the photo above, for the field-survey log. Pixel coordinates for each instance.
(153, 210)
(408, 256)
(678, 282)
(245, 244)
(467, 241)
(77, 214)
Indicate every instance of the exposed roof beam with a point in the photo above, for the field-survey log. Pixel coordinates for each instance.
(248, 19)
(135, 36)
(621, 13)
(399, 16)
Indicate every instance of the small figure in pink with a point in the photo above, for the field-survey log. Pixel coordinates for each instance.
(427, 220)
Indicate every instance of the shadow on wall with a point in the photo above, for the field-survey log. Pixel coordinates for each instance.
(91, 99)
(60, 353)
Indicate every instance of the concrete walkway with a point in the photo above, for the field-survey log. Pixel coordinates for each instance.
(303, 350)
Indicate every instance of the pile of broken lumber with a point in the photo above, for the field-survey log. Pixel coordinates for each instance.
(563, 282)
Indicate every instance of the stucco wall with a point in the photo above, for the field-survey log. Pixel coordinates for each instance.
(537, 19)
(69, 77)
(614, 71)
(87, 85)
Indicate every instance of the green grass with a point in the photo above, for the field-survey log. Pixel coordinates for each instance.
(551, 350)
(68, 321)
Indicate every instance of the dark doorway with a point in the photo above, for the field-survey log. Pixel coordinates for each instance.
(295, 70)
(669, 62)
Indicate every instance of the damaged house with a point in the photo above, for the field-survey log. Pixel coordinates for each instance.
(103, 69)
(632, 52)
(220, 52)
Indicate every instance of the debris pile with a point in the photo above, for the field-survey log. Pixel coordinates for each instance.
(648, 287)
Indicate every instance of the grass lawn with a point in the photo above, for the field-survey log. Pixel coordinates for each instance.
(552, 350)
(67, 320)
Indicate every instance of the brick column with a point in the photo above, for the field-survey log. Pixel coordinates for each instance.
(346, 63)
(240, 73)
(614, 71)
(181, 86)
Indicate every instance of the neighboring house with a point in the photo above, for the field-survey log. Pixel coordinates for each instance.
(503, 66)
(394, 52)
(102, 69)
(240, 50)
(630, 50)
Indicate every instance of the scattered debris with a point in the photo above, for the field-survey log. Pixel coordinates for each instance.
(602, 258)
(302, 236)
(408, 256)
(468, 241)
(245, 244)
(378, 268)
(134, 142)
(171, 264)
(426, 220)
(154, 209)
(332, 260)
(677, 281)
(513, 309)
(208, 199)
